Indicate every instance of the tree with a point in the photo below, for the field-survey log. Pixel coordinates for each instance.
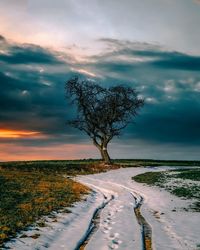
(102, 113)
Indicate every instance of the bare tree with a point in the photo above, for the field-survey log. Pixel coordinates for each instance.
(102, 112)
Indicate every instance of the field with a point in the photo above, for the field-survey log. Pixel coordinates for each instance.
(32, 189)
(154, 163)
(184, 183)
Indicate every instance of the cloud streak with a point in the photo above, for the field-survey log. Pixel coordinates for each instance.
(5, 133)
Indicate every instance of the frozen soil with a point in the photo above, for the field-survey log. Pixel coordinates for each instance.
(118, 228)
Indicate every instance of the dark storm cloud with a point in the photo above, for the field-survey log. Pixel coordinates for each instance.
(154, 55)
(32, 91)
(170, 83)
(179, 61)
(29, 54)
(170, 60)
(169, 122)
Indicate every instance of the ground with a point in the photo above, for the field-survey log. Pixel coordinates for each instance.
(183, 183)
(112, 204)
(30, 190)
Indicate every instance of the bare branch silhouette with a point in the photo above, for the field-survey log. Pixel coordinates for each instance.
(102, 112)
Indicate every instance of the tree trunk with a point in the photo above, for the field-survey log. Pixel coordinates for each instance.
(105, 155)
(103, 151)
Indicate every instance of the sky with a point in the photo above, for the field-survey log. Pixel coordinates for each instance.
(150, 45)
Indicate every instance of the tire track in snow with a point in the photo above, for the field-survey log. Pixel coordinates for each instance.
(95, 220)
(145, 227)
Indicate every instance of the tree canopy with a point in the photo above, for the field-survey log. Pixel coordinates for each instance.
(102, 113)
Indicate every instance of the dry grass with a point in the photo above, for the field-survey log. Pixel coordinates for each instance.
(31, 189)
(27, 195)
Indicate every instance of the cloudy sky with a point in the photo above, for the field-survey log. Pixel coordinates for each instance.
(151, 45)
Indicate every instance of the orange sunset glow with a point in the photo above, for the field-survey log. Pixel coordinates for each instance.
(6, 133)
(14, 152)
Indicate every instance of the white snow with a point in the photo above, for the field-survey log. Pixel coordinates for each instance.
(118, 227)
(66, 232)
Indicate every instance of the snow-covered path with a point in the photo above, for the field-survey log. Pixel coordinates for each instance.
(116, 226)
(172, 227)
